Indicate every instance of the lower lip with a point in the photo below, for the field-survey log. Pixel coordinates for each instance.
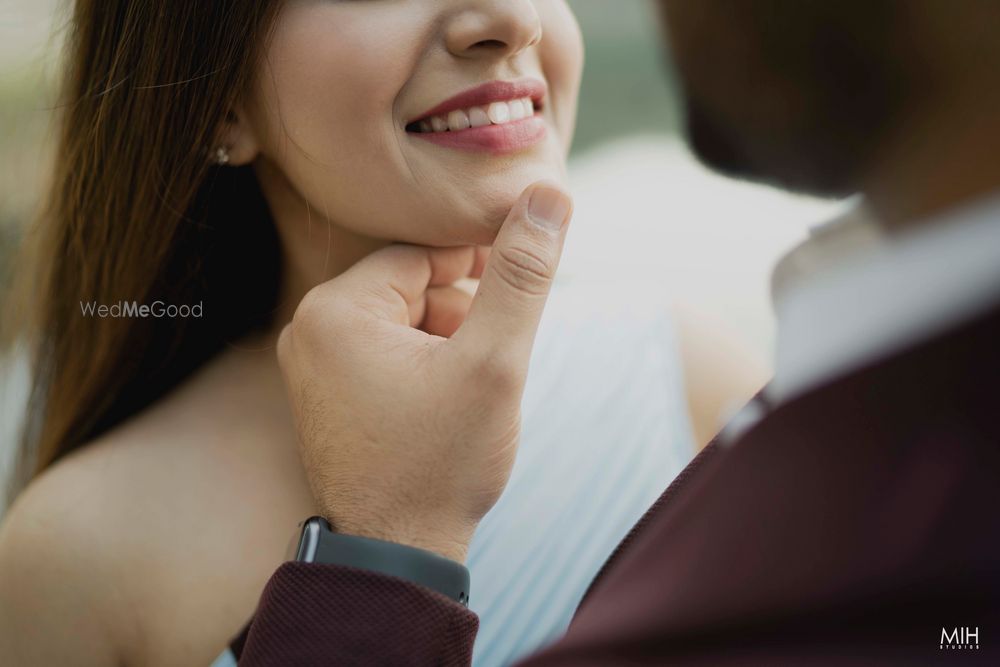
(493, 139)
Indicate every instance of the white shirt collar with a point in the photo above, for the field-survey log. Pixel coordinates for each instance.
(851, 294)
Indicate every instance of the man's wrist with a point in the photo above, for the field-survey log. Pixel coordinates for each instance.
(451, 543)
(450, 549)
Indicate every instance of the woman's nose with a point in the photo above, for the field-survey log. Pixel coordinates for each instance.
(492, 28)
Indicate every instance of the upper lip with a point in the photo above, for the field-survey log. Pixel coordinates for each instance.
(492, 91)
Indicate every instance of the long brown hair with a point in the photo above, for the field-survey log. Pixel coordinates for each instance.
(137, 212)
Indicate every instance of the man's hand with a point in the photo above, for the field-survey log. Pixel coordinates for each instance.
(406, 390)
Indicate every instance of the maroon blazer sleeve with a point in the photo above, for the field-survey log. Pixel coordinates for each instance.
(314, 614)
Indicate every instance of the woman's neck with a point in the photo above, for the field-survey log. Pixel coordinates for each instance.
(315, 249)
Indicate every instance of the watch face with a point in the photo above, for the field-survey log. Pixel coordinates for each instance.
(305, 541)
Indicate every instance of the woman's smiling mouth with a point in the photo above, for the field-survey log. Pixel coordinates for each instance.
(496, 113)
(499, 117)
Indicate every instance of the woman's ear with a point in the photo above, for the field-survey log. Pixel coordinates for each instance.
(238, 139)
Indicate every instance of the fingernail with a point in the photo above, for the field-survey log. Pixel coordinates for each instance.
(548, 207)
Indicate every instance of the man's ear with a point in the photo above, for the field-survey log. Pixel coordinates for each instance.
(238, 138)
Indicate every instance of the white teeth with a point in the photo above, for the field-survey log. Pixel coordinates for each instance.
(458, 120)
(517, 111)
(478, 117)
(497, 113)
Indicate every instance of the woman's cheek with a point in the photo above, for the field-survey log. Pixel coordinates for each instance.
(336, 73)
(329, 119)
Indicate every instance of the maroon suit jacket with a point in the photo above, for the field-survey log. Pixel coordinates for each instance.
(852, 525)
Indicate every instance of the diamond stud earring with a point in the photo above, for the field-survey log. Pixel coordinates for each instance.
(221, 155)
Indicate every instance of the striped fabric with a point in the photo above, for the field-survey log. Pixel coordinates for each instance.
(605, 431)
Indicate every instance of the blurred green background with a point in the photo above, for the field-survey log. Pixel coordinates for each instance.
(625, 91)
(627, 85)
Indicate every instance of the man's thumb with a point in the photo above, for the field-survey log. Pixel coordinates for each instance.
(518, 275)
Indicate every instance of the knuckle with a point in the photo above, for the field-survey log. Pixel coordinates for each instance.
(309, 309)
(498, 372)
(524, 268)
(284, 342)
(321, 307)
(314, 317)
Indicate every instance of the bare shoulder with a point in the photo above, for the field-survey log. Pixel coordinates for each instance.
(55, 566)
(721, 371)
(134, 536)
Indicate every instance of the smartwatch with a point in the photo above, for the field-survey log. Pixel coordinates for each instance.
(318, 543)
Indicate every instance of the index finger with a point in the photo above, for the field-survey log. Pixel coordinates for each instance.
(392, 282)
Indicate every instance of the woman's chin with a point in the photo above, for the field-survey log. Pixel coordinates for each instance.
(488, 209)
(469, 211)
